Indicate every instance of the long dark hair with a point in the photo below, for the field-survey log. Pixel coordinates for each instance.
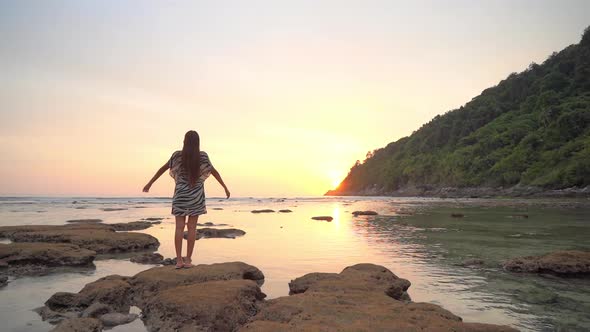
(191, 157)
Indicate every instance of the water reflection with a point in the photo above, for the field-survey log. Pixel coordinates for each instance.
(415, 238)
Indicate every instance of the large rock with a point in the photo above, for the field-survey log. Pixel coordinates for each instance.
(79, 325)
(25, 258)
(360, 298)
(113, 291)
(207, 306)
(98, 237)
(210, 233)
(562, 263)
(155, 280)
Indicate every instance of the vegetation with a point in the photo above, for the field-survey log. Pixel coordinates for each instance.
(533, 128)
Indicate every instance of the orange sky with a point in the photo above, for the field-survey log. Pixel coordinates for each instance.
(95, 97)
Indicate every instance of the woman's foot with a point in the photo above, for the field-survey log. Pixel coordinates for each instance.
(188, 263)
(179, 264)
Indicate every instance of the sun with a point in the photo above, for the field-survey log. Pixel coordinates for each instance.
(335, 178)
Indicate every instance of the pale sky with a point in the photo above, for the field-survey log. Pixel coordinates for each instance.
(286, 95)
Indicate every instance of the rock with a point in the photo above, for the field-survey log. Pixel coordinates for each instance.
(3, 281)
(132, 226)
(169, 261)
(211, 224)
(54, 317)
(217, 208)
(153, 219)
(149, 282)
(96, 310)
(62, 301)
(301, 284)
(115, 318)
(207, 306)
(522, 216)
(85, 221)
(79, 325)
(326, 218)
(263, 211)
(561, 263)
(472, 262)
(357, 299)
(285, 211)
(113, 291)
(22, 258)
(113, 209)
(101, 238)
(364, 213)
(153, 258)
(209, 233)
(457, 215)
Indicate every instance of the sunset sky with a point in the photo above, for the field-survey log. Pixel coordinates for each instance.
(286, 95)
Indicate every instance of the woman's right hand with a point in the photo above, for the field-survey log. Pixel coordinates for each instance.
(147, 187)
(227, 193)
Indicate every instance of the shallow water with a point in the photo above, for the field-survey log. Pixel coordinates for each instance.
(414, 237)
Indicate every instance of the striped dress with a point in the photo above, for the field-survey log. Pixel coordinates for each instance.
(188, 201)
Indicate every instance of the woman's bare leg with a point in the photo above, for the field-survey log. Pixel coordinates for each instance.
(192, 236)
(178, 233)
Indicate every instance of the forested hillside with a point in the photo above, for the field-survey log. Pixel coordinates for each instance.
(532, 129)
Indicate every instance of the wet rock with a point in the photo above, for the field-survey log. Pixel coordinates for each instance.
(457, 215)
(131, 226)
(285, 211)
(22, 258)
(101, 238)
(357, 299)
(364, 213)
(472, 262)
(211, 224)
(79, 325)
(153, 258)
(114, 291)
(209, 233)
(96, 310)
(153, 219)
(519, 216)
(3, 281)
(561, 263)
(84, 221)
(54, 317)
(169, 261)
(113, 209)
(115, 318)
(325, 218)
(263, 211)
(536, 295)
(207, 306)
(217, 208)
(147, 283)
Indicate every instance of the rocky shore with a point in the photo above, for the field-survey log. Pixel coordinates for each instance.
(227, 297)
(572, 263)
(467, 192)
(38, 249)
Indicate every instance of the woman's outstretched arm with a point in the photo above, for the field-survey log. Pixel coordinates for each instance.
(217, 177)
(156, 176)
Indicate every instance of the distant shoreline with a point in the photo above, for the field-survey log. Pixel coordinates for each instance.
(469, 192)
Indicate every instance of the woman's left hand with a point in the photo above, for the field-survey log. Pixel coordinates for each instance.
(227, 193)
(146, 189)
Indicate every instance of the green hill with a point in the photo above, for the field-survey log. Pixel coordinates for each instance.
(531, 130)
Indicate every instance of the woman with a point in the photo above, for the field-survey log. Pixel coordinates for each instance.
(189, 168)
